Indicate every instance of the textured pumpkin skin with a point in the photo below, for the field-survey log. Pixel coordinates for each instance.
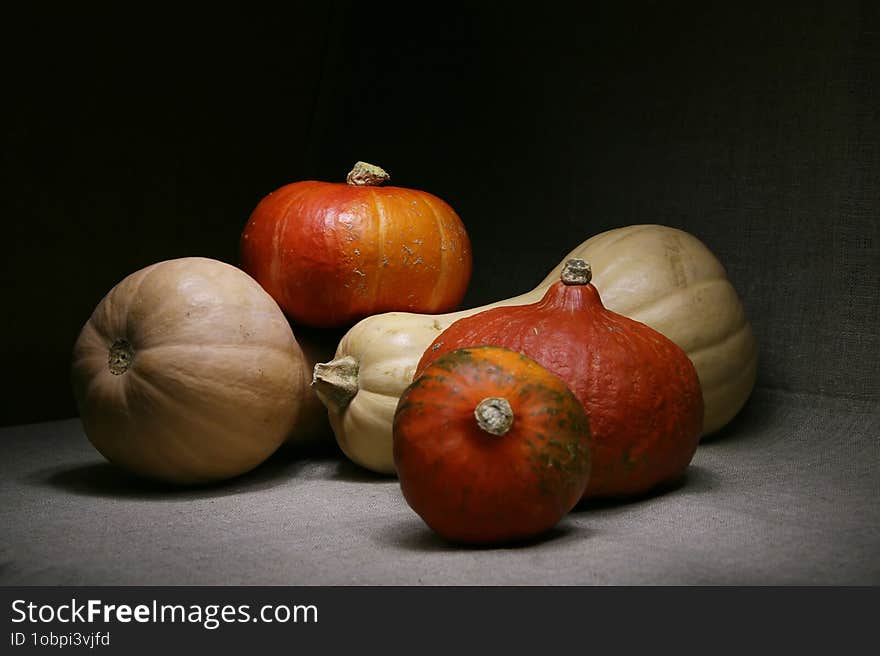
(332, 253)
(472, 486)
(640, 390)
(671, 282)
(216, 379)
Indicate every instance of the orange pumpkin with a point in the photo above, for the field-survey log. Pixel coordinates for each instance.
(639, 389)
(333, 253)
(490, 446)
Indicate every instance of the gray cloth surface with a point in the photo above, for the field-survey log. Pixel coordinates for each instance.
(788, 494)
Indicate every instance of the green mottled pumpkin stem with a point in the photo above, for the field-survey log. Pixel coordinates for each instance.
(364, 174)
(494, 415)
(336, 382)
(576, 272)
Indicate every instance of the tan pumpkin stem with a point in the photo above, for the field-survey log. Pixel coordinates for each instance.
(336, 382)
(494, 415)
(576, 272)
(364, 174)
(120, 356)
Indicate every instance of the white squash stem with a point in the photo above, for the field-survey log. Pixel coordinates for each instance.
(336, 382)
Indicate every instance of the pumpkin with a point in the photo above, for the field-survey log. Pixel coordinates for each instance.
(490, 446)
(661, 276)
(639, 389)
(332, 253)
(188, 372)
(669, 280)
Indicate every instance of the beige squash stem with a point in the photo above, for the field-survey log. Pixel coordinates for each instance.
(336, 382)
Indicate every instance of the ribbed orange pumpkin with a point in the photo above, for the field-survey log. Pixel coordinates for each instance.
(639, 389)
(490, 446)
(333, 253)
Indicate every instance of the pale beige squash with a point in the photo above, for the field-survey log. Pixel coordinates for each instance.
(661, 276)
(188, 372)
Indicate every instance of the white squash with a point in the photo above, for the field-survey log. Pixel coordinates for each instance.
(661, 276)
(188, 372)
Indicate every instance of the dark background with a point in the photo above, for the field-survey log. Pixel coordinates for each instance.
(132, 138)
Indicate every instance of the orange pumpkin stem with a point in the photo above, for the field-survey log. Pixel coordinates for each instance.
(363, 174)
(576, 272)
(494, 415)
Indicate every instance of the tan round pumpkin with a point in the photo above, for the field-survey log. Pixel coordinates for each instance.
(188, 372)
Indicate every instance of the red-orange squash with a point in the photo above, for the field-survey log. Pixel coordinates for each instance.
(332, 253)
(490, 446)
(640, 390)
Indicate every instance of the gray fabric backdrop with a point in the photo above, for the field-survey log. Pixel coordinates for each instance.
(752, 125)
